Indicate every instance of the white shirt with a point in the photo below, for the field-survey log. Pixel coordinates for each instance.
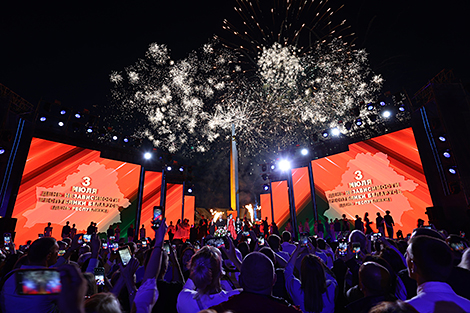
(187, 298)
(293, 286)
(433, 294)
(146, 296)
(288, 247)
(284, 255)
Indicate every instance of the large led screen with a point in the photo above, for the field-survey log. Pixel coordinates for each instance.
(173, 204)
(151, 198)
(67, 183)
(302, 199)
(189, 207)
(376, 175)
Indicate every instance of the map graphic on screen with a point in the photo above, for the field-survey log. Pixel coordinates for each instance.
(67, 183)
(376, 175)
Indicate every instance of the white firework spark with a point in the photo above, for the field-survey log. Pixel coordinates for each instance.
(291, 93)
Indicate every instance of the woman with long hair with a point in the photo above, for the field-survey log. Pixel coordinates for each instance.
(313, 292)
(368, 223)
(203, 289)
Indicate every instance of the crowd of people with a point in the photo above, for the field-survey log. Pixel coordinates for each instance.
(246, 268)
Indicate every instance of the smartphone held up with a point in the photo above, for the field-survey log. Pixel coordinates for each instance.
(43, 281)
(158, 215)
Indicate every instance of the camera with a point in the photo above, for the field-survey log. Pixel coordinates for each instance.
(158, 214)
(99, 276)
(6, 239)
(343, 248)
(303, 239)
(356, 248)
(43, 281)
(125, 255)
(216, 242)
(86, 238)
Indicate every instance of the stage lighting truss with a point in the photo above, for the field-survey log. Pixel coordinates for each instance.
(452, 170)
(264, 167)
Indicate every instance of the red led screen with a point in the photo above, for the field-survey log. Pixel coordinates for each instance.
(265, 200)
(151, 197)
(189, 207)
(66, 183)
(379, 174)
(174, 203)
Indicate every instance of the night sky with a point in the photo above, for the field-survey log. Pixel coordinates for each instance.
(66, 51)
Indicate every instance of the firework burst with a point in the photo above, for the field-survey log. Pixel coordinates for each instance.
(174, 97)
(294, 23)
(298, 86)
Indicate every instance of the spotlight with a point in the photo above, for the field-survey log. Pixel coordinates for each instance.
(62, 112)
(265, 187)
(358, 122)
(61, 123)
(169, 168)
(125, 139)
(181, 169)
(77, 115)
(264, 167)
(446, 154)
(304, 151)
(452, 170)
(442, 138)
(147, 155)
(382, 103)
(264, 176)
(401, 109)
(273, 166)
(370, 107)
(190, 190)
(89, 130)
(335, 132)
(348, 125)
(43, 119)
(2, 151)
(386, 114)
(284, 165)
(325, 134)
(115, 137)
